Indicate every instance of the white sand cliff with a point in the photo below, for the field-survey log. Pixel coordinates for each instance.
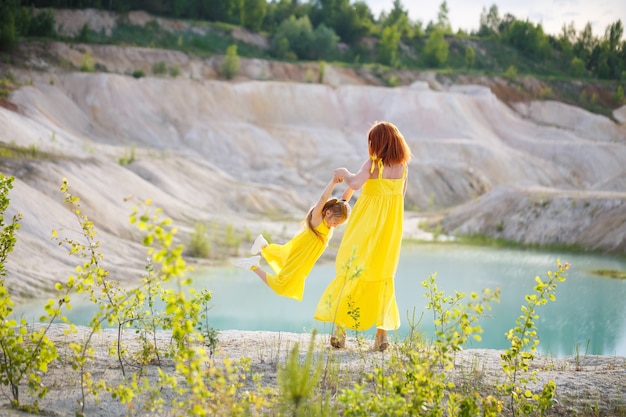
(209, 150)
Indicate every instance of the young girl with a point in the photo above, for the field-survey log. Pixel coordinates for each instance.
(371, 242)
(293, 261)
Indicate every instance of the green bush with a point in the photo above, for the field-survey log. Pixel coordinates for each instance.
(618, 97)
(175, 70)
(231, 63)
(159, 68)
(87, 64)
(199, 243)
(510, 73)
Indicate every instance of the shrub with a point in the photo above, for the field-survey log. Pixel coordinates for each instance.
(524, 341)
(322, 72)
(618, 97)
(87, 64)
(231, 63)
(199, 244)
(175, 70)
(25, 352)
(510, 73)
(577, 67)
(159, 68)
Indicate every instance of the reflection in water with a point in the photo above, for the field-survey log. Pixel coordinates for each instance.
(589, 316)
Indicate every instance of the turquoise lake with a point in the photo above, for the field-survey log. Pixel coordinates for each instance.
(588, 317)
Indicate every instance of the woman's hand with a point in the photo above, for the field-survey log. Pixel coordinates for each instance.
(340, 174)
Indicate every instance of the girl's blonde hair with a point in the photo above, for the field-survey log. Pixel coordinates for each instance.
(387, 143)
(339, 209)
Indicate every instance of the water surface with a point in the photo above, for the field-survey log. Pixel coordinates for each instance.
(588, 317)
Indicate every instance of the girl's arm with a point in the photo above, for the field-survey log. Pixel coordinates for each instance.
(355, 181)
(317, 210)
(347, 195)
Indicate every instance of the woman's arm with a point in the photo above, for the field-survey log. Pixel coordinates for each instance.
(406, 179)
(354, 181)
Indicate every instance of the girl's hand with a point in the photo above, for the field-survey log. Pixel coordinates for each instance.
(340, 173)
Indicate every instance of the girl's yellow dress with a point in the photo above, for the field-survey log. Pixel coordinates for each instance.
(362, 293)
(293, 261)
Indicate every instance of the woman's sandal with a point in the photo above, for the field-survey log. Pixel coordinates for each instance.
(381, 343)
(338, 339)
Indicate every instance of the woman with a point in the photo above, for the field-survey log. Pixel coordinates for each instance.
(362, 293)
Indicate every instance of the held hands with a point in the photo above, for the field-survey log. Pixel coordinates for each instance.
(339, 174)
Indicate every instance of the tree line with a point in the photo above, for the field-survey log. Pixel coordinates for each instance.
(343, 30)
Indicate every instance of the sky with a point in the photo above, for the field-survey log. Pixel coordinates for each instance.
(552, 14)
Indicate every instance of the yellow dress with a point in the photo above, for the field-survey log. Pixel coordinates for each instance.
(362, 293)
(293, 261)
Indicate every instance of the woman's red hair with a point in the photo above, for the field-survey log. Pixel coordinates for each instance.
(387, 143)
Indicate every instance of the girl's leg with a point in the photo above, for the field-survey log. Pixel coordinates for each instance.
(261, 273)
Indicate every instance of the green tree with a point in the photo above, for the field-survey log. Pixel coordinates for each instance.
(585, 44)
(349, 22)
(8, 31)
(529, 39)
(222, 10)
(443, 20)
(280, 10)
(388, 46)
(489, 22)
(252, 14)
(566, 40)
(398, 17)
(436, 49)
(298, 33)
(323, 43)
(577, 67)
(42, 24)
(612, 38)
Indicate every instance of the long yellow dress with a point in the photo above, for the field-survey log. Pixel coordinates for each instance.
(363, 293)
(293, 261)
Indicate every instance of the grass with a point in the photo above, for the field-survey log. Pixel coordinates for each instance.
(609, 273)
(13, 151)
(213, 41)
(489, 241)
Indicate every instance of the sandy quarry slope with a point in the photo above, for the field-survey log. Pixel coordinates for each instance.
(255, 153)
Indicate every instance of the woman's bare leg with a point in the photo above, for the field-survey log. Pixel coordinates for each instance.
(381, 343)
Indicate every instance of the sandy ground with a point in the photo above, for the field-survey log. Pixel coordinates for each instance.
(585, 384)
